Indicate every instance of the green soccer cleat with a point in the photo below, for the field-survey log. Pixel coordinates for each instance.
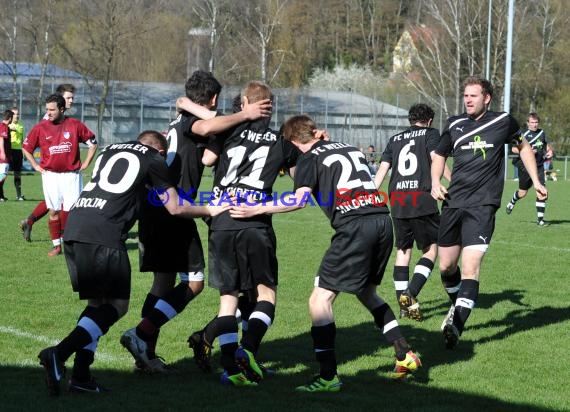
(319, 384)
(239, 379)
(246, 361)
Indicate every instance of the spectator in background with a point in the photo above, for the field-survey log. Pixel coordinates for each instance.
(372, 160)
(16, 138)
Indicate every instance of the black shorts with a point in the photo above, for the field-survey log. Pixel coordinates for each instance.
(242, 259)
(98, 272)
(470, 226)
(423, 230)
(169, 244)
(525, 182)
(16, 159)
(358, 255)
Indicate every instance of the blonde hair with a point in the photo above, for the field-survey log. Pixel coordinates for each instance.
(300, 128)
(256, 91)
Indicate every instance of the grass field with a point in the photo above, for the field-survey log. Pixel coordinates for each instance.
(512, 357)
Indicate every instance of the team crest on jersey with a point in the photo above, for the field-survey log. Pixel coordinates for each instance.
(67, 135)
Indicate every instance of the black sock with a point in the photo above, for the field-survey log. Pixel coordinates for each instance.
(228, 338)
(421, 274)
(259, 321)
(103, 317)
(465, 303)
(386, 321)
(451, 283)
(401, 277)
(324, 346)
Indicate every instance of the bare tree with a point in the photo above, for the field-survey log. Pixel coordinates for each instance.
(9, 29)
(262, 17)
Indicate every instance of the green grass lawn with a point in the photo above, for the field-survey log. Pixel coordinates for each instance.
(512, 356)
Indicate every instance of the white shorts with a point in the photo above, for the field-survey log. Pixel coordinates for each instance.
(61, 190)
(4, 171)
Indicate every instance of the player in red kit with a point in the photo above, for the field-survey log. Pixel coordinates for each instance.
(58, 139)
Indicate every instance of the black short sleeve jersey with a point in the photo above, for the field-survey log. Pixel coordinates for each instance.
(184, 156)
(477, 147)
(250, 159)
(409, 155)
(110, 203)
(538, 142)
(340, 180)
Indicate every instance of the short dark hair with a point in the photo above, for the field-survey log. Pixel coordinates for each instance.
(202, 86)
(65, 87)
(8, 115)
(486, 86)
(56, 98)
(420, 112)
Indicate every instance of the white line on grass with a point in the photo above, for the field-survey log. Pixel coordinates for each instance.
(9, 330)
(533, 246)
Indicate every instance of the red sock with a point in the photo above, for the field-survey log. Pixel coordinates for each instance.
(39, 211)
(63, 219)
(54, 230)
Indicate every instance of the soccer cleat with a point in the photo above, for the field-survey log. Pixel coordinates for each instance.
(510, 208)
(26, 230)
(21, 198)
(202, 350)
(541, 223)
(412, 306)
(155, 366)
(3, 199)
(137, 347)
(450, 336)
(448, 320)
(54, 367)
(90, 386)
(239, 379)
(405, 367)
(246, 361)
(319, 384)
(55, 251)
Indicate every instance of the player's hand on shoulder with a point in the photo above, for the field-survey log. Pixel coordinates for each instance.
(258, 109)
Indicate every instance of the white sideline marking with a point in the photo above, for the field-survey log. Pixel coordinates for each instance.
(504, 242)
(9, 330)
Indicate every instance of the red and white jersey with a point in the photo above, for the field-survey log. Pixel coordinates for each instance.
(58, 143)
(5, 141)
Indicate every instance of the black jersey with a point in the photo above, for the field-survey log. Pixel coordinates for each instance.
(250, 158)
(340, 180)
(110, 203)
(184, 157)
(478, 151)
(409, 155)
(538, 142)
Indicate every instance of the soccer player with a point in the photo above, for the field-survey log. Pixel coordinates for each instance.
(4, 150)
(95, 249)
(16, 156)
(337, 176)
(536, 137)
(60, 164)
(415, 213)
(68, 92)
(169, 244)
(242, 253)
(476, 141)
